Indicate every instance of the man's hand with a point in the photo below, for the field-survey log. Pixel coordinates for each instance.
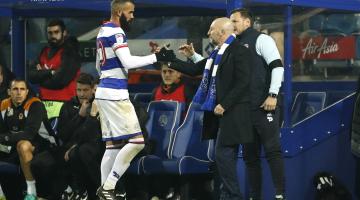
(154, 47)
(219, 110)
(82, 111)
(269, 104)
(187, 50)
(66, 156)
(165, 55)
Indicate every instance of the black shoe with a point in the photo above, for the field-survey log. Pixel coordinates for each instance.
(110, 194)
(80, 195)
(67, 195)
(120, 196)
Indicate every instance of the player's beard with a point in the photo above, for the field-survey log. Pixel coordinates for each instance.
(53, 42)
(125, 24)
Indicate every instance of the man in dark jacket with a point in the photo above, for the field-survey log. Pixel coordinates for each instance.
(80, 127)
(79, 155)
(265, 111)
(21, 121)
(56, 68)
(225, 98)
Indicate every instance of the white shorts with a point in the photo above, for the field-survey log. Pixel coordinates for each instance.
(118, 119)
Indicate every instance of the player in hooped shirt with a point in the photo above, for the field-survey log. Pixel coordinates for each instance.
(119, 122)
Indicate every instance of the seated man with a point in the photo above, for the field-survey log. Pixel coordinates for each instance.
(172, 86)
(77, 161)
(20, 122)
(79, 125)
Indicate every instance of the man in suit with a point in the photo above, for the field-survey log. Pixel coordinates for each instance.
(225, 98)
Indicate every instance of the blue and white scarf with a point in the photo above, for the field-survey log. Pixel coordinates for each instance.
(206, 93)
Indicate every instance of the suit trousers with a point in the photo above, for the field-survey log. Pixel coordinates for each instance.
(226, 162)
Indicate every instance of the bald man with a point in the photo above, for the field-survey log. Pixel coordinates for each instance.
(225, 99)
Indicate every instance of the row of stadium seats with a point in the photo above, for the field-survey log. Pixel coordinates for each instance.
(307, 104)
(179, 148)
(304, 104)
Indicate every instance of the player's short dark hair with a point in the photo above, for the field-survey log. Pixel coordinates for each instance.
(245, 13)
(19, 80)
(57, 22)
(116, 3)
(86, 79)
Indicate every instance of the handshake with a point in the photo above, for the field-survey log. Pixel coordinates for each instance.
(165, 55)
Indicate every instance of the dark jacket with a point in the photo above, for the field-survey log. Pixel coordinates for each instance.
(232, 92)
(23, 122)
(261, 72)
(75, 129)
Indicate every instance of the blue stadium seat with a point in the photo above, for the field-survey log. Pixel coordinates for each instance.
(345, 23)
(143, 98)
(334, 96)
(164, 119)
(316, 22)
(307, 104)
(189, 154)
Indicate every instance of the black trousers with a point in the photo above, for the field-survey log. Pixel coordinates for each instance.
(51, 173)
(266, 128)
(12, 184)
(84, 161)
(226, 162)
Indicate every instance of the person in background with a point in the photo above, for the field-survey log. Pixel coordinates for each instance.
(22, 120)
(172, 86)
(76, 161)
(80, 126)
(56, 68)
(6, 76)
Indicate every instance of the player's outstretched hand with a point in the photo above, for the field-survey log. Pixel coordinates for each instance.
(165, 55)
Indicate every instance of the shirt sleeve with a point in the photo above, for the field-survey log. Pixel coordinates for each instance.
(196, 57)
(122, 51)
(266, 48)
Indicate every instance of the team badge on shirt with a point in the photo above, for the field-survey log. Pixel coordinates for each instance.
(119, 38)
(10, 112)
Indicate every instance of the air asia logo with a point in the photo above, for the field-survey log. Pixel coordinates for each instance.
(312, 48)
